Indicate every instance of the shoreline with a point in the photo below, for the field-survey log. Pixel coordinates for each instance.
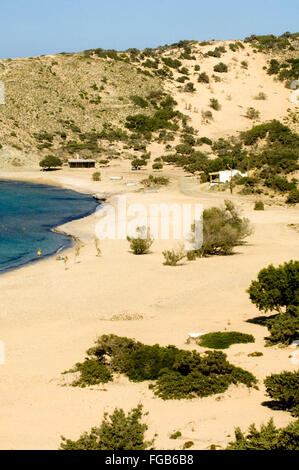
(55, 229)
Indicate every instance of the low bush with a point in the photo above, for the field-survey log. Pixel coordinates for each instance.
(284, 388)
(267, 438)
(173, 257)
(155, 181)
(293, 196)
(157, 166)
(189, 87)
(203, 78)
(223, 229)
(141, 244)
(252, 113)
(96, 176)
(92, 372)
(284, 328)
(215, 104)
(259, 206)
(223, 340)
(176, 373)
(117, 431)
(221, 68)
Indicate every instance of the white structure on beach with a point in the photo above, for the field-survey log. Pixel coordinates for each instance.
(224, 176)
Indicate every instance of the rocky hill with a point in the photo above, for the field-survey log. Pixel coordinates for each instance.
(78, 103)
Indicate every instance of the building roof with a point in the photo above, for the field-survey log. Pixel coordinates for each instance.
(82, 160)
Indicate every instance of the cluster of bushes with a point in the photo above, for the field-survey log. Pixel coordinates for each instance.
(267, 438)
(271, 42)
(217, 52)
(288, 70)
(177, 373)
(235, 46)
(162, 119)
(117, 431)
(277, 289)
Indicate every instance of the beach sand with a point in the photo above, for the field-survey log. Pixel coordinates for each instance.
(50, 316)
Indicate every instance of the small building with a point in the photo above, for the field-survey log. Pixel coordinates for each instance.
(224, 176)
(82, 163)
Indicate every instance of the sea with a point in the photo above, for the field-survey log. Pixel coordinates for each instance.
(29, 213)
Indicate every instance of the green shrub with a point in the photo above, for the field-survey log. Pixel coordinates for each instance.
(157, 166)
(175, 435)
(252, 113)
(138, 163)
(284, 328)
(118, 431)
(205, 140)
(139, 101)
(155, 181)
(260, 96)
(189, 87)
(221, 68)
(284, 388)
(215, 104)
(96, 176)
(92, 372)
(142, 243)
(223, 340)
(173, 257)
(268, 438)
(276, 288)
(203, 78)
(293, 196)
(259, 206)
(223, 229)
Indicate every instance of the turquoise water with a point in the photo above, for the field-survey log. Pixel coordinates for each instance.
(28, 212)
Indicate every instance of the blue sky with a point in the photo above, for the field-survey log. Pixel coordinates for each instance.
(34, 27)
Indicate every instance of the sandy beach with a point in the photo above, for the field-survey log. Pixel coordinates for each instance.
(50, 316)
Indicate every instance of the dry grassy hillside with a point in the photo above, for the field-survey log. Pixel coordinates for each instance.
(59, 104)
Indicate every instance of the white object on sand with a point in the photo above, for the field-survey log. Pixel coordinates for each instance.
(195, 335)
(295, 343)
(116, 177)
(132, 184)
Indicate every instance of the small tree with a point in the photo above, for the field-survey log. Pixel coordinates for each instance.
(138, 163)
(157, 166)
(142, 243)
(118, 431)
(50, 161)
(276, 288)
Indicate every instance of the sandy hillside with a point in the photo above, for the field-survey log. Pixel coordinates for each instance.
(49, 317)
